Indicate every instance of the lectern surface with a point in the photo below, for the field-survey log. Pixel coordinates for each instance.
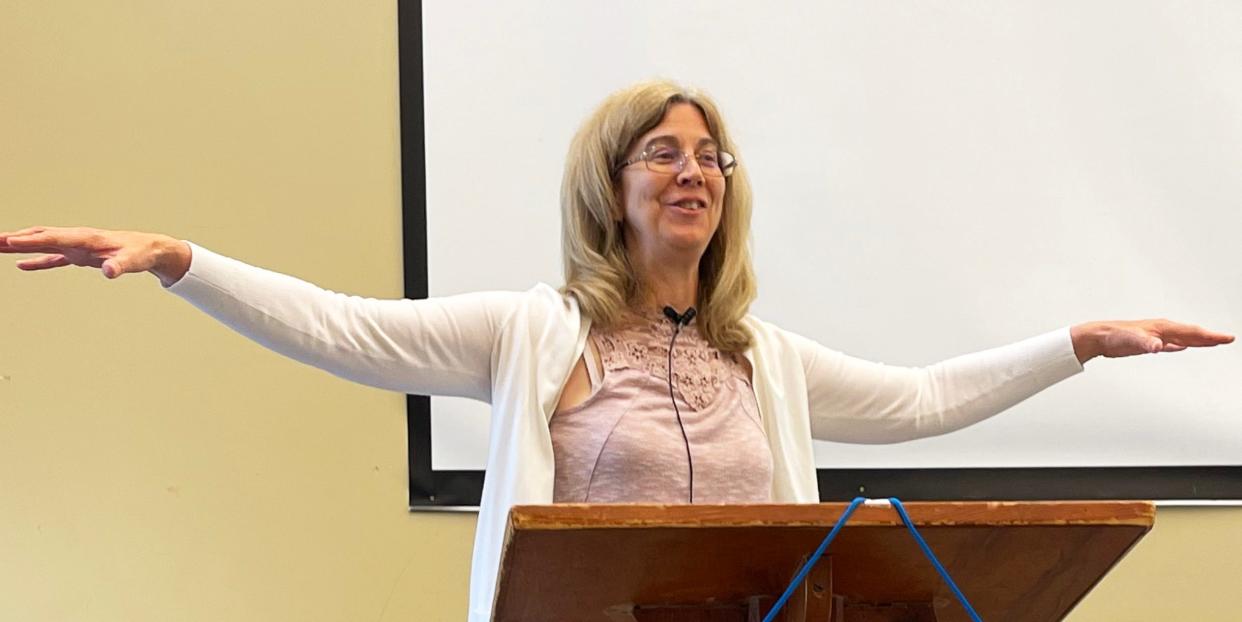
(1016, 561)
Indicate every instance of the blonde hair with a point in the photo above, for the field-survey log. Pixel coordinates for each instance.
(597, 268)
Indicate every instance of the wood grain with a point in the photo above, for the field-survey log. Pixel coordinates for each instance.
(1016, 561)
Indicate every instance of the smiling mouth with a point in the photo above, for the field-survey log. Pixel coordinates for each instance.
(690, 204)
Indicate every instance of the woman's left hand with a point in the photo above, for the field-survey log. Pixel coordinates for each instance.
(1128, 338)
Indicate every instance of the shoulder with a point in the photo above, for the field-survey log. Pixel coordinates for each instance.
(544, 306)
(552, 302)
(767, 334)
(542, 299)
(772, 342)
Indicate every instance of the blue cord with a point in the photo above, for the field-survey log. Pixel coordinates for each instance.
(823, 546)
(944, 574)
(806, 568)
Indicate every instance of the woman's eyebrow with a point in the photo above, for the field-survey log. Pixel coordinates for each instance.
(667, 138)
(673, 139)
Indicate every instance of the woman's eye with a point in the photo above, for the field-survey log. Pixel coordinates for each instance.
(708, 159)
(663, 156)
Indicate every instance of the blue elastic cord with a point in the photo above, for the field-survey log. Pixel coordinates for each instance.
(944, 574)
(823, 546)
(806, 568)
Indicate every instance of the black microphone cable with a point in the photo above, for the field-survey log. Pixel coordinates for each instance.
(679, 319)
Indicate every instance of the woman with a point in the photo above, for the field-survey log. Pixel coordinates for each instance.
(644, 379)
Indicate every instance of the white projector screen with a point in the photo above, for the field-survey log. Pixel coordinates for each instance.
(930, 179)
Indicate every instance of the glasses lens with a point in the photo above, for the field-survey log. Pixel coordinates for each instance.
(667, 157)
(709, 161)
(663, 158)
(715, 163)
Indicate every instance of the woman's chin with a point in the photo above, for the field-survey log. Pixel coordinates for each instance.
(688, 241)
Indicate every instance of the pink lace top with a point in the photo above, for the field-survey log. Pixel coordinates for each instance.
(623, 444)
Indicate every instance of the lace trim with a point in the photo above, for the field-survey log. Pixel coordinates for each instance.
(699, 370)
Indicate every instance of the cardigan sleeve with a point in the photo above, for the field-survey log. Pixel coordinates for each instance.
(857, 401)
(438, 346)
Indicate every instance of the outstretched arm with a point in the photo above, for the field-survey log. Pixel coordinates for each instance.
(439, 346)
(853, 400)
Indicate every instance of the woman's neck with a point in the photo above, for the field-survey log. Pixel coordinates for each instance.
(667, 283)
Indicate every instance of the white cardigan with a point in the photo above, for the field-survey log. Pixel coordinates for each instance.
(515, 351)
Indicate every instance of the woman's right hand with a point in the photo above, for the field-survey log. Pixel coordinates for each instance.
(114, 252)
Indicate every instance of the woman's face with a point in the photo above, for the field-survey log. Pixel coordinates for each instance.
(667, 213)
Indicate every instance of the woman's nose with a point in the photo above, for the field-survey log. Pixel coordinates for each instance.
(691, 173)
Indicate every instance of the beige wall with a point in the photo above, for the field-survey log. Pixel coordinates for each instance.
(154, 466)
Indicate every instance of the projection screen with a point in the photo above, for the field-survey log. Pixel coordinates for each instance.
(930, 179)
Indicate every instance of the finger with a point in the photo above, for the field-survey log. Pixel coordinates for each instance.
(29, 243)
(19, 247)
(1173, 347)
(48, 242)
(32, 239)
(1202, 343)
(116, 266)
(1190, 335)
(26, 231)
(43, 263)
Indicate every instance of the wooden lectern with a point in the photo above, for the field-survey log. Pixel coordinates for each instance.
(1015, 561)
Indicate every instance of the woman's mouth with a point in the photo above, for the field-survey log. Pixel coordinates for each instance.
(689, 206)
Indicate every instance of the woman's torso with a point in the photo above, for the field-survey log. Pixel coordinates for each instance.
(624, 442)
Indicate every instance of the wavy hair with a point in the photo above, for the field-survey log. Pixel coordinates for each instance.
(597, 268)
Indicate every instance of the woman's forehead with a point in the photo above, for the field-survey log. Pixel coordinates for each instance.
(682, 122)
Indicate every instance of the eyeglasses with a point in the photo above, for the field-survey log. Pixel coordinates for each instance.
(663, 156)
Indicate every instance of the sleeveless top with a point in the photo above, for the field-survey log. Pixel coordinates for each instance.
(623, 444)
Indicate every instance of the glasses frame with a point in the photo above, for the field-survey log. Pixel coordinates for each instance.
(680, 165)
